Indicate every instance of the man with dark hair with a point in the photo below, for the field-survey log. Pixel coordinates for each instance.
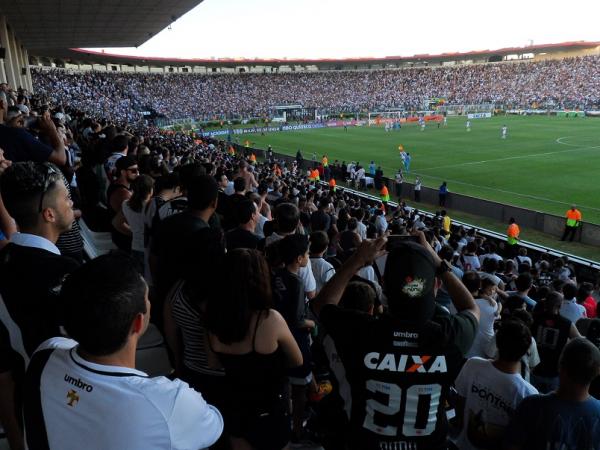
(320, 219)
(239, 195)
(551, 332)
(246, 215)
(31, 272)
(289, 290)
(119, 148)
(567, 418)
(126, 172)
(569, 308)
(287, 219)
(187, 173)
(401, 365)
(523, 283)
(70, 384)
(489, 391)
(322, 269)
(172, 244)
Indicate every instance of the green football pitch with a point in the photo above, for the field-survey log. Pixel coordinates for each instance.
(544, 164)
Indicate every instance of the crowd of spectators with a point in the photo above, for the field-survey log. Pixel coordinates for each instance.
(564, 83)
(296, 313)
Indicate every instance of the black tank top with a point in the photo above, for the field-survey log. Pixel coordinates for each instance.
(109, 192)
(255, 380)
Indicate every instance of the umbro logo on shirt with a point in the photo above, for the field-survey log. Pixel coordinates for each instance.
(76, 382)
(405, 363)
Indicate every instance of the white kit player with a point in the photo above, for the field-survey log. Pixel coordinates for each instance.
(422, 125)
(504, 131)
(468, 125)
(445, 121)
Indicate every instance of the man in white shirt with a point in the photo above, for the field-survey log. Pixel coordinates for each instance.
(360, 177)
(569, 308)
(86, 393)
(322, 270)
(490, 391)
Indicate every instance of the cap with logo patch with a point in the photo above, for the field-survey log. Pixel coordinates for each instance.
(409, 282)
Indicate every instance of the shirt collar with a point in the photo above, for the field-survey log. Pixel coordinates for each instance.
(102, 369)
(34, 241)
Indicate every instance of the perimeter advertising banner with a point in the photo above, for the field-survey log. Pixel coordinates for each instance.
(303, 126)
(485, 115)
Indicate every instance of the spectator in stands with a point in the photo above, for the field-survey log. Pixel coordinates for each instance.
(185, 314)
(171, 250)
(551, 332)
(117, 193)
(106, 312)
(243, 236)
(287, 217)
(490, 391)
(288, 287)
(366, 346)
(585, 299)
(522, 257)
(381, 224)
(255, 346)
(133, 211)
(320, 220)
(19, 145)
(567, 418)
(524, 283)
(244, 172)
(569, 308)
(120, 148)
(321, 268)
(31, 272)
(166, 188)
(489, 310)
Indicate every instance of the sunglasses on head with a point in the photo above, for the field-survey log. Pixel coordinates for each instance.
(50, 170)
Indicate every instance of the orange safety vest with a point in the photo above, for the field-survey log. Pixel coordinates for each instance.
(573, 217)
(332, 184)
(384, 194)
(513, 232)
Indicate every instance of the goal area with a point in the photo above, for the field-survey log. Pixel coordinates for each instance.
(383, 117)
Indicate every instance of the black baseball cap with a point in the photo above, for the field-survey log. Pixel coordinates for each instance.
(409, 282)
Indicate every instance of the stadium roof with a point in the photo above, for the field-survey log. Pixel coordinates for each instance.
(89, 56)
(51, 26)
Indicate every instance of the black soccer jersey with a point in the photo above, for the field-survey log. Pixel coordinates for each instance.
(400, 374)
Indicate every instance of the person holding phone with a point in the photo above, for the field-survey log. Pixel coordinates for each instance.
(400, 366)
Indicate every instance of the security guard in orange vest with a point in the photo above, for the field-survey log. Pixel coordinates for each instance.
(332, 184)
(573, 222)
(384, 194)
(512, 237)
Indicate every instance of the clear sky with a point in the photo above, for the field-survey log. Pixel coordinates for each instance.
(346, 28)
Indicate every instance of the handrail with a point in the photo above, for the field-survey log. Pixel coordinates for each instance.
(490, 233)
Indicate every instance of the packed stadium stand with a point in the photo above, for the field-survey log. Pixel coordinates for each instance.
(565, 83)
(165, 289)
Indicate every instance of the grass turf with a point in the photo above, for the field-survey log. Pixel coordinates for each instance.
(545, 164)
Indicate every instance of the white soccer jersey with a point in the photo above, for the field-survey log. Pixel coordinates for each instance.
(72, 404)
